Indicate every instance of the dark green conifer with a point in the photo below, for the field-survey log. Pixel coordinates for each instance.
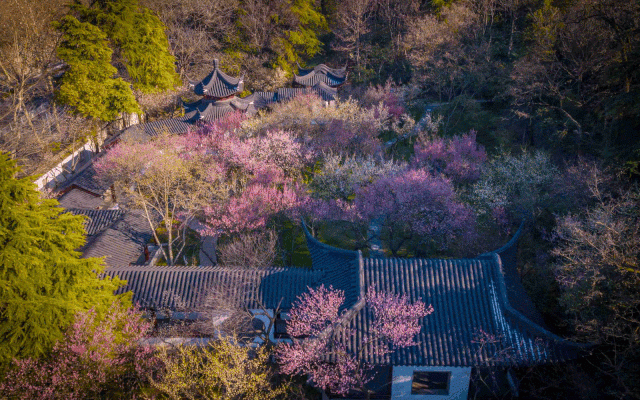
(89, 84)
(139, 39)
(43, 280)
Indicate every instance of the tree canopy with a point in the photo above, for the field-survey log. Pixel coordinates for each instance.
(43, 280)
(89, 84)
(139, 39)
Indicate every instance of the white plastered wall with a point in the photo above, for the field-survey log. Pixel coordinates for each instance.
(403, 376)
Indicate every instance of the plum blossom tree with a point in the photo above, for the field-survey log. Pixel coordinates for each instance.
(167, 179)
(262, 173)
(459, 158)
(319, 349)
(100, 354)
(416, 206)
(347, 128)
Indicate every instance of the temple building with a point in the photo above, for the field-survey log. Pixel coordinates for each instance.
(220, 96)
(483, 318)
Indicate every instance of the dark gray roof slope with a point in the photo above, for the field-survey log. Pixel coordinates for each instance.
(142, 132)
(218, 84)
(75, 198)
(286, 94)
(470, 325)
(121, 243)
(325, 92)
(186, 288)
(339, 268)
(97, 220)
(87, 180)
(320, 73)
(262, 99)
(473, 323)
(208, 111)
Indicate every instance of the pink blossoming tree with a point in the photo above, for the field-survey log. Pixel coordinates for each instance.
(460, 158)
(416, 206)
(99, 355)
(319, 349)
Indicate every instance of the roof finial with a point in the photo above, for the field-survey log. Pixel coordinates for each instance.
(215, 63)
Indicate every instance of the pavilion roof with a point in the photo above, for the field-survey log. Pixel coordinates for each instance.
(218, 84)
(208, 111)
(321, 73)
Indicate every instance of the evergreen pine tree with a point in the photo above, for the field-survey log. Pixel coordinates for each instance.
(89, 84)
(43, 280)
(301, 39)
(139, 39)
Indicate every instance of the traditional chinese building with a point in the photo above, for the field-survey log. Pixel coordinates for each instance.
(218, 85)
(332, 77)
(483, 319)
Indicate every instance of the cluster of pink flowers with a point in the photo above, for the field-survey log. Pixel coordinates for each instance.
(97, 354)
(460, 158)
(418, 201)
(319, 349)
(391, 312)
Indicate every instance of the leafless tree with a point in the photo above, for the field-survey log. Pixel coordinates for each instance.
(27, 52)
(250, 250)
(352, 23)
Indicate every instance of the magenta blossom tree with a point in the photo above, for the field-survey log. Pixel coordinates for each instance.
(460, 158)
(262, 175)
(100, 354)
(319, 349)
(416, 206)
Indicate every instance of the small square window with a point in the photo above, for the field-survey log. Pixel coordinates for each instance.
(430, 382)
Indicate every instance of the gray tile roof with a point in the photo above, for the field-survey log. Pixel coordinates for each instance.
(471, 305)
(142, 132)
(262, 99)
(87, 180)
(208, 111)
(339, 268)
(187, 288)
(286, 94)
(76, 198)
(321, 73)
(218, 84)
(325, 92)
(97, 220)
(122, 242)
(466, 296)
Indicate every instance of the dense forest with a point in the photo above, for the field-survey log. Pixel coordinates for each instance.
(482, 114)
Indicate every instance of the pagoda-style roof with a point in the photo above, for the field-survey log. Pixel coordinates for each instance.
(208, 111)
(332, 77)
(217, 84)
